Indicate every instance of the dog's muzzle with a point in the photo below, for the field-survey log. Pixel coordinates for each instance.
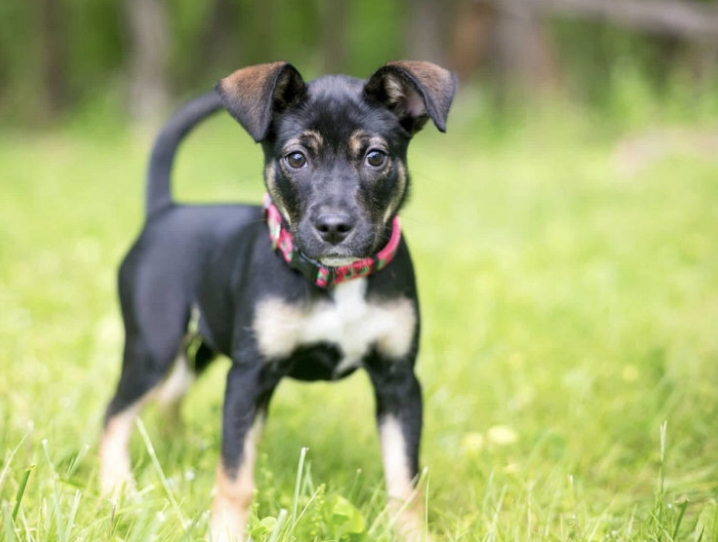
(315, 272)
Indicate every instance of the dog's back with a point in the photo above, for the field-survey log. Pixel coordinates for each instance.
(177, 239)
(158, 277)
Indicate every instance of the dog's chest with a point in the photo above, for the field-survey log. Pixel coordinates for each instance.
(348, 321)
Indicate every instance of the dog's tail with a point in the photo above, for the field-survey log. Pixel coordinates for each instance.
(159, 194)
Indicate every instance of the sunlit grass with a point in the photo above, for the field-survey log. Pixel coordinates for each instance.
(570, 308)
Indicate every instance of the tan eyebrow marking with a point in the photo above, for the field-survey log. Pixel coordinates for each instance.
(313, 140)
(309, 139)
(357, 141)
(360, 140)
(291, 143)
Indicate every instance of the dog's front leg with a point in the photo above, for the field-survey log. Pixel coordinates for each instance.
(249, 389)
(399, 416)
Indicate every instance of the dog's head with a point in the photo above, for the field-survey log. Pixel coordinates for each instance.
(335, 148)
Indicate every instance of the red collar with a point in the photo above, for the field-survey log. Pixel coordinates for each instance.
(315, 272)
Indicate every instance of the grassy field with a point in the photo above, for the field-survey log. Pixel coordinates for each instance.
(570, 310)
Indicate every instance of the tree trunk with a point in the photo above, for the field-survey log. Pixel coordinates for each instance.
(687, 19)
(148, 85)
(471, 37)
(524, 54)
(54, 56)
(425, 29)
(703, 62)
(220, 48)
(335, 35)
(524, 59)
(264, 47)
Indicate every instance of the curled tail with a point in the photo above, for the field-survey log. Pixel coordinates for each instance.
(159, 194)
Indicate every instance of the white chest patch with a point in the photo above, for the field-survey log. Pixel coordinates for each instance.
(350, 322)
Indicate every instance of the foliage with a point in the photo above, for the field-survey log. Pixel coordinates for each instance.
(569, 312)
(93, 49)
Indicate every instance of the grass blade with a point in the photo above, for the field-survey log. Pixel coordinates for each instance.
(8, 524)
(682, 508)
(576, 521)
(75, 463)
(300, 470)
(160, 472)
(21, 490)
(73, 514)
(6, 468)
(280, 521)
(662, 474)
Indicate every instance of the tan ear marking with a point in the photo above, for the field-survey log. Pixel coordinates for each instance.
(414, 90)
(252, 94)
(356, 141)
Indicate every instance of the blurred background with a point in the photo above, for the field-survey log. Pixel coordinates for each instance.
(563, 231)
(136, 58)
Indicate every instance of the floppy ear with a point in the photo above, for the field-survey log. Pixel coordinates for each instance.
(415, 91)
(253, 94)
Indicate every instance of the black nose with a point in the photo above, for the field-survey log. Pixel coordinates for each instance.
(333, 227)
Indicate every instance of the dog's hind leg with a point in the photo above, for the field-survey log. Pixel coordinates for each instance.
(154, 327)
(192, 361)
(133, 392)
(194, 357)
(135, 389)
(173, 389)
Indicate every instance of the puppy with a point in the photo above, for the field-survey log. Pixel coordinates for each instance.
(313, 285)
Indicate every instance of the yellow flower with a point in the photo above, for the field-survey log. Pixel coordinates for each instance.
(501, 435)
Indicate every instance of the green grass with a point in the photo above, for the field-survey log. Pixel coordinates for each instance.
(570, 310)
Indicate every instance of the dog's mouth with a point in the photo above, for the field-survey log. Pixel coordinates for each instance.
(337, 261)
(333, 255)
(330, 255)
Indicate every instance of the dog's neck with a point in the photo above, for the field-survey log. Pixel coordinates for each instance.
(322, 275)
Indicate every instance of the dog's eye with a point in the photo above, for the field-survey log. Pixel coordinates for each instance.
(375, 158)
(296, 160)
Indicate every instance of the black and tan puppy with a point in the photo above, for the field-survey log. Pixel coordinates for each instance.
(313, 285)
